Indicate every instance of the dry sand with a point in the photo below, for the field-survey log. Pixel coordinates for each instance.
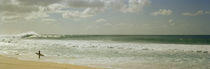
(11, 63)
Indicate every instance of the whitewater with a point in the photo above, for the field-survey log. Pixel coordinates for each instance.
(114, 52)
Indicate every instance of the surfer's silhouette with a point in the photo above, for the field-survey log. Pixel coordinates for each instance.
(39, 54)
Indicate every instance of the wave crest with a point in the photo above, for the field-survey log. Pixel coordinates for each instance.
(28, 34)
(17, 37)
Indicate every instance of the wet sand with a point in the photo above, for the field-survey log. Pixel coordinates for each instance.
(12, 63)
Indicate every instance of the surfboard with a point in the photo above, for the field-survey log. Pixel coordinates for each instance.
(39, 54)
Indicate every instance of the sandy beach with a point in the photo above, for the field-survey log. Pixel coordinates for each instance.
(12, 63)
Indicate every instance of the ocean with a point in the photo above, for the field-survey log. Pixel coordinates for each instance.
(112, 51)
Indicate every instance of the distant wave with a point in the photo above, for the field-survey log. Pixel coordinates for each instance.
(166, 39)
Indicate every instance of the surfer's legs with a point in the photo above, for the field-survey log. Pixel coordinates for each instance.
(39, 54)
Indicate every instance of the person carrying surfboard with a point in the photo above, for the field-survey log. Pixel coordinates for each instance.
(39, 54)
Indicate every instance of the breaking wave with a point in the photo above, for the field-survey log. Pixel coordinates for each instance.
(17, 37)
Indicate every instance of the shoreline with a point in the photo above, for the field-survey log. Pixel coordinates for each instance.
(12, 63)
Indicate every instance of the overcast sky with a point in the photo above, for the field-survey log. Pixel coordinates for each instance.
(133, 17)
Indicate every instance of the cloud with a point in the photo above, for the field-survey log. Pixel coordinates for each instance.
(49, 20)
(198, 13)
(10, 18)
(74, 14)
(163, 12)
(88, 12)
(131, 6)
(36, 15)
(73, 9)
(101, 20)
(17, 8)
(55, 7)
(170, 20)
(207, 12)
(37, 2)
(134, 6)
(92, 7)
(126, 6)
(86, 3)
(14, 10)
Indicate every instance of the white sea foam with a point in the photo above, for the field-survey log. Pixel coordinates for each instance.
(108, 54)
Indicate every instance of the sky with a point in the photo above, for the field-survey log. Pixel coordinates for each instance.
(106, 17)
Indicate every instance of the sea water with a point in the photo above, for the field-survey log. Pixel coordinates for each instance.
(112, 51)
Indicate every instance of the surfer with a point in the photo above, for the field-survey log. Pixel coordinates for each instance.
(39, 54)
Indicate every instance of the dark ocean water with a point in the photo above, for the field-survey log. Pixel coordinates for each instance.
(165, 39)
